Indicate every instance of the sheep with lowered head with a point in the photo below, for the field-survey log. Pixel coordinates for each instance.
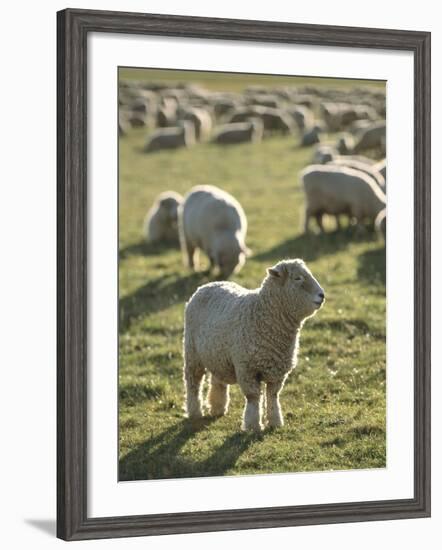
(372, 137)
(337, 190)
(239, 132)
(311, 136)
(171, 138)
(161, 222)
(247, 337)
(213, 221)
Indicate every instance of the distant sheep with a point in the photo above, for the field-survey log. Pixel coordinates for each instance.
(161, 222)
(345, 144)
(247, 337)
(337, 190)
(212, 220)
(166, 114)
(239, 132)
(311, 136)
(274, 120)
(171, 138)
(202, 122)
(323, 154)
(371, 138)
(303, 117)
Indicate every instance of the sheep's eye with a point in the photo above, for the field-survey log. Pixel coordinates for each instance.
(299, 278)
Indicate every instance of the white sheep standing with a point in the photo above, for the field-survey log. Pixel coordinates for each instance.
(336, 190)
(161, 221)
(247, 337)
(212, 220)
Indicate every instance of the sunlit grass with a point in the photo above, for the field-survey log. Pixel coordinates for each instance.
(334, 403)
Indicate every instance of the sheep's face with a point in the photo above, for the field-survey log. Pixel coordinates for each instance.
(302, 293)
(169, 206)
(229, 254)
(230, 261)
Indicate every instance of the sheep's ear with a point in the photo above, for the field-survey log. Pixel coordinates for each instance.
(277, 271)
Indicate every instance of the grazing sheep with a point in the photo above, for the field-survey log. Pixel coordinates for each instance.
(161, 222)
(239, 132)
(323, 154)
(274, 120)
(202, 121)
(381, 224)
(368, 169)
(370, 138)
(137, 119)
(339, 190)
(166, 115)
(247, 337)
(171, 138)
(345, 144)
(311, 136)
(303, 117)
(331, 115)
(212, 220)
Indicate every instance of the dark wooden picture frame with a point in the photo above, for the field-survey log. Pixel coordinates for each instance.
(73, 27)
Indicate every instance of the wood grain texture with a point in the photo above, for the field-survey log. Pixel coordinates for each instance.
(72, 29)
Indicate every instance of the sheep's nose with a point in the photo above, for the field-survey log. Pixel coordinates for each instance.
(321, 295)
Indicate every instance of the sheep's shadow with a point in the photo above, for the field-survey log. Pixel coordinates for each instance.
(157, 294)
(144, 248)
(159, 457)
(311, 246)
(372, 266)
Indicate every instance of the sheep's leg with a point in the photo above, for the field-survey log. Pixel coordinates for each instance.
(318, 218)
(251, 389)
(274, 413)
(252, 412)
(190, 251)
(338, 223)
(193, 381)
(307, 220)
(218, 397)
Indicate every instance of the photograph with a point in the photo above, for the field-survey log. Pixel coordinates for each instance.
(251, 274)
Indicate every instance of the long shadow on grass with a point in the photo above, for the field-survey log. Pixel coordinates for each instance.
(157, 294)
(372, 266)
(144, 248)
(309, 246)
(159, 457)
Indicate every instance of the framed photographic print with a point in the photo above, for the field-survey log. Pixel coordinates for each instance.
(243, 340)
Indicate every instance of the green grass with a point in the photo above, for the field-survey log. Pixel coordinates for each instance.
(334, 402)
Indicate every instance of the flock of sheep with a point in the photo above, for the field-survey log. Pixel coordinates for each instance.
(250, 337)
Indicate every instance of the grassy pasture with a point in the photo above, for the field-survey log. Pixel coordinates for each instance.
(334, 402)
